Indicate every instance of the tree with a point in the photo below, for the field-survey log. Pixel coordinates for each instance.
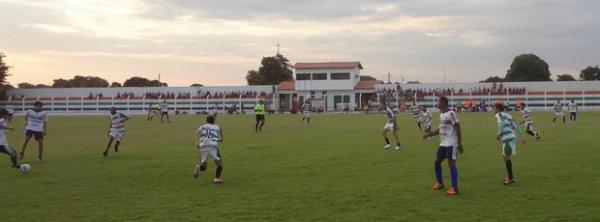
(493, 79)
(565, 77)
(80, 82)
(3, 69)
(137, 81)
(196, 85)
(367, 77)
(42, 86)
(25, 85)
(528, 67)
(253, 78)
(590, 74)
(273, 70)
(115, 84)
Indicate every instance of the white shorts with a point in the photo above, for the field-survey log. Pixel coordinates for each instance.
(428, 125)
(117, 135)
(391, 127)
(306, 114)
(212, 152)
(417, 119)
(509, 148)
(559, 114)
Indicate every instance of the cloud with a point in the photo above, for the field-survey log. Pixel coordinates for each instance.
(472, 39)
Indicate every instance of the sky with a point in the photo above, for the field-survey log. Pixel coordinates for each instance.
(215, 42)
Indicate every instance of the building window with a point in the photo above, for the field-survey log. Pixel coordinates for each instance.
(319, 76)
(303, 76)
(340, 76)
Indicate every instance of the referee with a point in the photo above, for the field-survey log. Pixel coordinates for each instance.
(259, 109)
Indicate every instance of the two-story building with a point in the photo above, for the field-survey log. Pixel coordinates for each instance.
(330, 85)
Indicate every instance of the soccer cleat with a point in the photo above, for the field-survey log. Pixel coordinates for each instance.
(197, 171)
(105, 153)
(437, 186)
(398, 148)
(387, 146)
(508, 181)
(451, 191)
(217, 180)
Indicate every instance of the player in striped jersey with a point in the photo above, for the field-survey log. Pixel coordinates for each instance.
(306, 112)
(528, 121)
(4, 148)
(427, 119)
(116, 132)
(572, 111)
(508, 133)
(391, 126)
(415, 109)
(450, 146)
(558, 112)
(208, 137)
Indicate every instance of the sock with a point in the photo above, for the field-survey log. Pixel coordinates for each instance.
(13, 159)
(454, 176)
(509, 168)
(203, 167)
(308, 120)
(219, 171)
(438, 172)
(387, 141)
(564, 120)
(398, 144)
(530, 133)
(40, 153)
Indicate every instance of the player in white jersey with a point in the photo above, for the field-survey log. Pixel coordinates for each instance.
(391, 126)
(164, 111)
(116, 132)
(508, 133)
(427, 119)
(208, 137)
(150, 113)
(11, 111)
(306, 112)
(450, 146)
(415, 109)
(528, 121)
(572, 111)
(558, 112)
(36, 125)
(4, 147)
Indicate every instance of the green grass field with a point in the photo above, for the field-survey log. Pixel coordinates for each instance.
(333, 170)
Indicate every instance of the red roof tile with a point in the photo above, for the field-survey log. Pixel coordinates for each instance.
(287, 85)
(328, 65)
(367, 84)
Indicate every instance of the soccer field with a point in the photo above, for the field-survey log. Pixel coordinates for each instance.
(333, 170)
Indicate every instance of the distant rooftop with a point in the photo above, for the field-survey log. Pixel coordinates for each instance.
(328, 65)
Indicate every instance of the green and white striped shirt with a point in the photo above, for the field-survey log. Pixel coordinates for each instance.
(507, 127)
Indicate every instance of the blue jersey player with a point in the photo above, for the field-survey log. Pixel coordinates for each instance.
(450, 146)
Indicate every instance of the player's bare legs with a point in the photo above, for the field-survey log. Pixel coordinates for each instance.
(40, 149)
(510, 177)
(24, 147)
(218, 171)
(110, 141)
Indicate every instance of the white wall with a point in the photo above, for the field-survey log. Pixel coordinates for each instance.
(313, 85)
(530, 86)
(138, 91)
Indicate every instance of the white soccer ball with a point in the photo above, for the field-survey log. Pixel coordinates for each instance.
(24, 168)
